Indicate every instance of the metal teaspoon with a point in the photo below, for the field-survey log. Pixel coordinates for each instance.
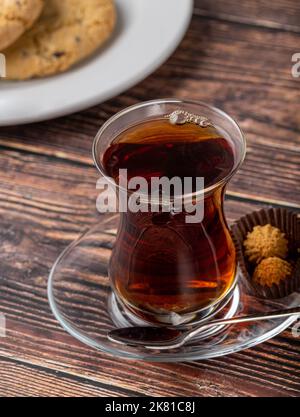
(171, 338)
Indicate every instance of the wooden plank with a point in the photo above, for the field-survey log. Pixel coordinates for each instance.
(278, 14)
(48, 199)
(238, 58)
(279, 171)
(263, 371)
(45, 202)
(19, 379)
(260, 93)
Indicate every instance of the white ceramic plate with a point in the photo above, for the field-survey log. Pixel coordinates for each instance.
(148, 32)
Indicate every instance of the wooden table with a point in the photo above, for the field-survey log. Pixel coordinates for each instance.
(237, 56)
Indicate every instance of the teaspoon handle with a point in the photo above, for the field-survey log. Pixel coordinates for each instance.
(255, 317)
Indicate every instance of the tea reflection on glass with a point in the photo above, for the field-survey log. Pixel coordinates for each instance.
(162, 268)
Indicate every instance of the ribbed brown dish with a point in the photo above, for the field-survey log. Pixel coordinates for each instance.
(289, 223)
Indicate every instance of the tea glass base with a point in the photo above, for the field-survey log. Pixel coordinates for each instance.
(81, 299)
(117, 307)
(122, 317)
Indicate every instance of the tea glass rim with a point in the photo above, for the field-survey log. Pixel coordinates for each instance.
(174, 101)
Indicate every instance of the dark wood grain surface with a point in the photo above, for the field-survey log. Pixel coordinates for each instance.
(237, 56)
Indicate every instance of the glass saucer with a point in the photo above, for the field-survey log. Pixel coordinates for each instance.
(81, 299)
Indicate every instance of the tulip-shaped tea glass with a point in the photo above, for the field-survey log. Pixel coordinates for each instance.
(169, 162)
